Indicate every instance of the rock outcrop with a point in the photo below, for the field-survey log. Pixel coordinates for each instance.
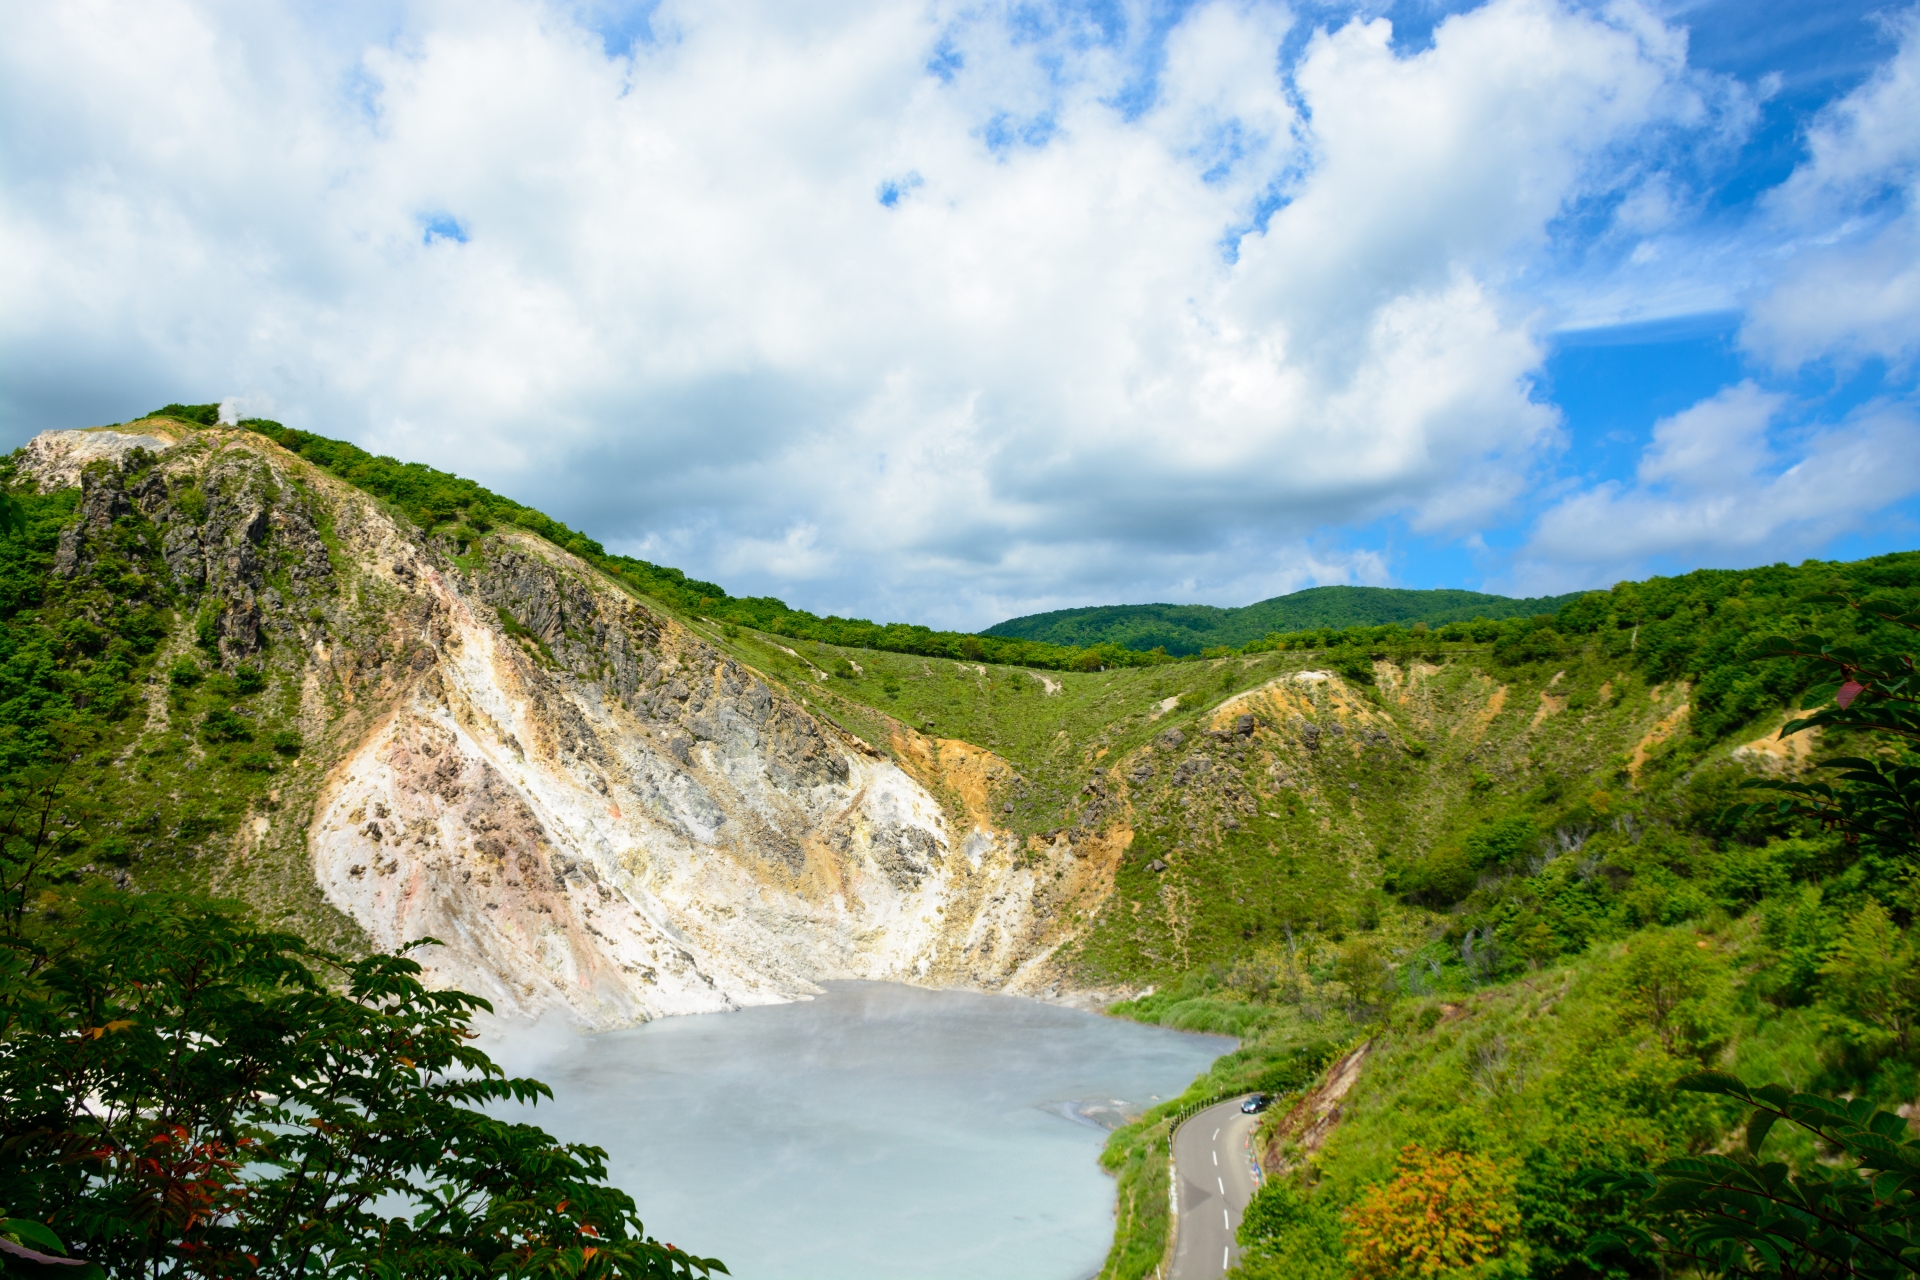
(588, 805)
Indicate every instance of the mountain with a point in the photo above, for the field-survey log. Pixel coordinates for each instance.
(1183, 629)
(1497, 867)
(298, 698)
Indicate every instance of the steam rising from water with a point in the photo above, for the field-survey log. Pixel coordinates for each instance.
(880, 1132)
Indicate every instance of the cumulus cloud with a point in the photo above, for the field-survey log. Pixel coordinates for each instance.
(915, 310)
(1747, 474)
(1718, 484)
(1852, 287)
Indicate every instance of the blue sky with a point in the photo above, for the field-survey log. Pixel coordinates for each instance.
(948, 312)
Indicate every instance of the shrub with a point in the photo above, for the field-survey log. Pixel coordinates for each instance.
(1288, 1235)
(1444, 1214)
(222, 725)
(1875, 975)
(226, 1109)
(191, 503)
(183, 1093)
(1528, 643)
(1500, 843)
(1671, 985)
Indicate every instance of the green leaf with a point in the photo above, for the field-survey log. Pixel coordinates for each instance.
(35, 1235)
(1757, 1129)
(1719, 1082)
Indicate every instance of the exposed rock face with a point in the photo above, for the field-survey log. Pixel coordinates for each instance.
(1307, 1125)
(56, 458)
(586, 803)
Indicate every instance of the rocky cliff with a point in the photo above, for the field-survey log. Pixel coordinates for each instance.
(588, 803)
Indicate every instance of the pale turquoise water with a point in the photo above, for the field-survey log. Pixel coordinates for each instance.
(879, 1132)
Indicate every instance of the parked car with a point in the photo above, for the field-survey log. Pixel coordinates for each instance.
(1256, 1102)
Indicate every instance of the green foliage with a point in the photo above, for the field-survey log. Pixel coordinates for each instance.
(437, 501)
(205, 415)
(1136, 1156)
(1446, 874)
(1500, 842)
(1287, 1234)
(206, 627)
(1855, 1215)
(1736, 1215)
(1520, 645)
(1353, 662)
(222, 725)
(1443, 1214)
(192, 503)
(1702, 627)
(36, 1251)
(1671, 985)
(1190, 629)
(1873, 975)
(183, 1093)
(70, 649)
(1200, 1002)
(1870, 689)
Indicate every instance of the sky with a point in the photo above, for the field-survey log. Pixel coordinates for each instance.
(949, 312)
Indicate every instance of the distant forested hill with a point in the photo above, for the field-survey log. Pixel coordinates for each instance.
(1190, 628)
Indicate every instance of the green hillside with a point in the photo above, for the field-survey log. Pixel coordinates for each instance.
(1498, 854)
(1501, 853)
(1185, 629)
(464, 511)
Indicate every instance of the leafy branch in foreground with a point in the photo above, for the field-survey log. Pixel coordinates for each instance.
(183, 1093)
(1865, 692)
(1739, 1216)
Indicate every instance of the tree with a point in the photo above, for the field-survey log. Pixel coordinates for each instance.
(1444, 1214)
(1735, 1215)
(1669, 984)
(184, 1093)
(1362, 967)
(1875, 973)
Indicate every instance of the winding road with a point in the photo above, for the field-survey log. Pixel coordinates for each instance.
(1214, 1183)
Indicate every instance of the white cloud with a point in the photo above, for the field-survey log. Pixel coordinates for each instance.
(1852, 286)
(683, 318)
(1724, 482)
(1716, 486)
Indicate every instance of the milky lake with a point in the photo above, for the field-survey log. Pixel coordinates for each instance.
(878, 1132)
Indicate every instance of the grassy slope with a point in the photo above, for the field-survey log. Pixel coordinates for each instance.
(1190, 628)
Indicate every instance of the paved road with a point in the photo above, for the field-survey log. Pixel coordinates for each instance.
(1215, 1183)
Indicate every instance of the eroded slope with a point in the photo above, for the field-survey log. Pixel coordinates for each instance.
(589, 804)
